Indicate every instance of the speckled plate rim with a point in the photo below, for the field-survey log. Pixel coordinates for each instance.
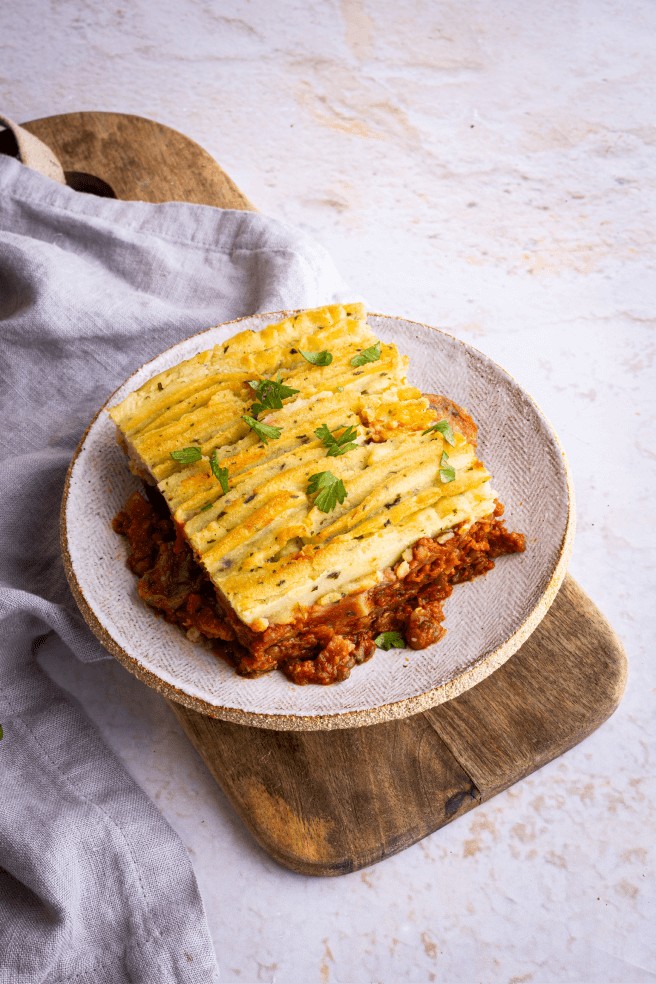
(447, 690)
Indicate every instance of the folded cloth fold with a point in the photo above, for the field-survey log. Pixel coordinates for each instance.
(94, 884)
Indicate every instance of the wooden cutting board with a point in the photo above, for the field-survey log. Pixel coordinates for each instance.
(326, 803)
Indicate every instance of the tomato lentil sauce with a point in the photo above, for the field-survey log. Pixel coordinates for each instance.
(324, 642)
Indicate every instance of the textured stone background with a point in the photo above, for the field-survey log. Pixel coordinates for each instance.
(488, 168)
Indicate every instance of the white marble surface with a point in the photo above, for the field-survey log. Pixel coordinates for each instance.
(488, 168)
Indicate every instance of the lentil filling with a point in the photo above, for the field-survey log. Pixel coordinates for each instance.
(323, 643)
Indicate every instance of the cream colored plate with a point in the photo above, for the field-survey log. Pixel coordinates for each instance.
(487, 620)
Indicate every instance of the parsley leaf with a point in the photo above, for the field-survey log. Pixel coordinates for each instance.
(317, 358)
(208, 505)
(447, 471)
(270, 393)
(330, 488)
(265, 432)
(390, 640)
(221, 474)
(187, 456)
(367, 355)
(337, 445)
(444, 428)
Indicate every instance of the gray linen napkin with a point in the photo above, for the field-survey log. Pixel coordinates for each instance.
(94, 884)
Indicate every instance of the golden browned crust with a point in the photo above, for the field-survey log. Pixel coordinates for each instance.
(269, 545)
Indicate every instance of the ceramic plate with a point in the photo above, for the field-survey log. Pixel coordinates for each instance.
(487, 619)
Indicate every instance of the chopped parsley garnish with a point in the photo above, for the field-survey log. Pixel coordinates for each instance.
(317, 358)
(208, 505)
(444, 428)
(447, 471)
(390, 640)
(330, 488)
(270, 393)
(187, 456)
(337, 445)
(220, 474)
(367, 355)
(265, 432)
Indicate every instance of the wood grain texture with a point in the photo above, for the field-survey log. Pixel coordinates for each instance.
(325, 803)
(332, 802)
(567, 678)
(137, 158)
(329, 802)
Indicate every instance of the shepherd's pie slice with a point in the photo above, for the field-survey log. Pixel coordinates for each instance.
(320, 504)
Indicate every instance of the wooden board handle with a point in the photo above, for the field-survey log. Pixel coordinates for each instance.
(33, 152)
